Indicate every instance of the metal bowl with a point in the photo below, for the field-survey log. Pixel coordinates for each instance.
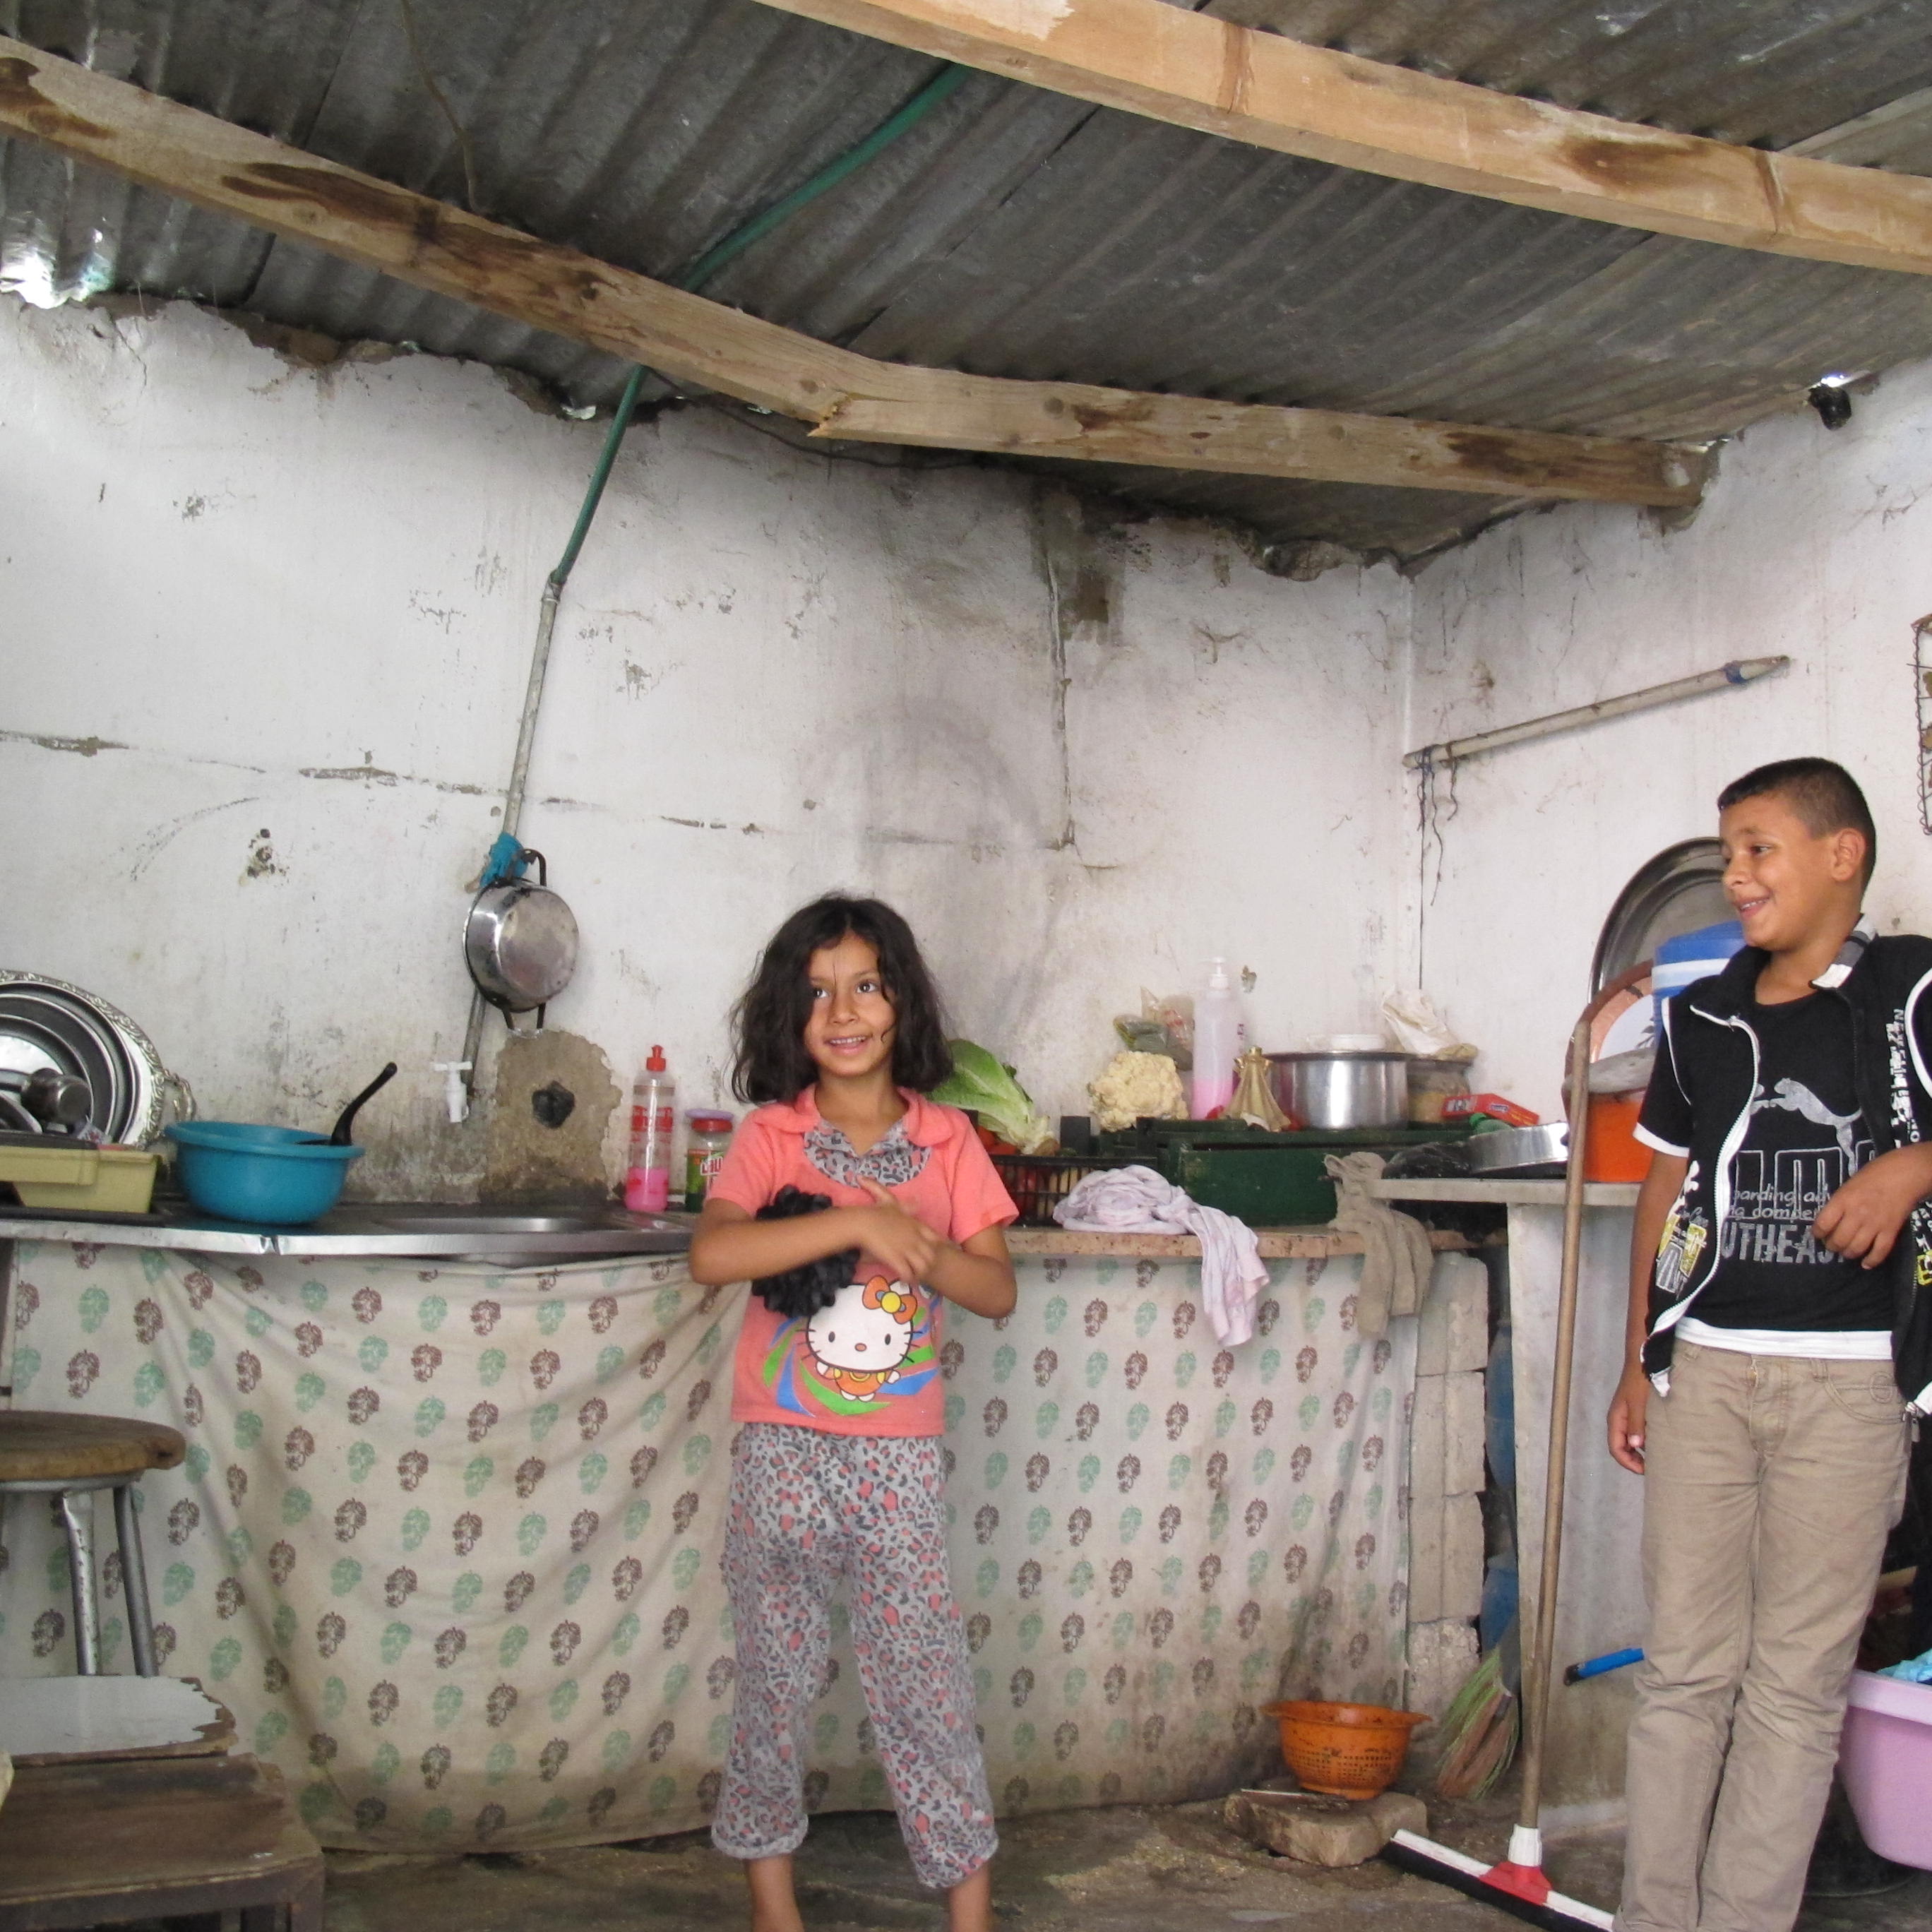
(1342, 1090)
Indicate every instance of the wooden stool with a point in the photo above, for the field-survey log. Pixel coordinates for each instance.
(67, 1456)
(106, 1842)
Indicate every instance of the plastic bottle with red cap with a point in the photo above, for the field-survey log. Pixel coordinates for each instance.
(653, 1128)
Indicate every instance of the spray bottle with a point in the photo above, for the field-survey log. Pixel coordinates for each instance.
(653, 1124)
(1220, 1037)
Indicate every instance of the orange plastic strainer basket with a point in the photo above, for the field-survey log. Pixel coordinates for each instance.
(1344, 1750)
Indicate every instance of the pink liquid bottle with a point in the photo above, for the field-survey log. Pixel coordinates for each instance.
(653, 1124)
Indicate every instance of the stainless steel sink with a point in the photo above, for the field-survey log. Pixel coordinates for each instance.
(432, 1220)
(444, 1230)
(483, 1232)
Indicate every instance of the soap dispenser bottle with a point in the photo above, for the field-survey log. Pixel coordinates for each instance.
(1220, 1038)
(653, 1123)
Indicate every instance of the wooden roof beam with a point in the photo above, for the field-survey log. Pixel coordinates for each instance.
(1197, 71)
(430, 245)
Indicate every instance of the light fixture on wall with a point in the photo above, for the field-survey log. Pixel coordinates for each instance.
(1831, 397)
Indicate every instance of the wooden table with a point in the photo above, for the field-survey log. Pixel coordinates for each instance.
(103, 1842)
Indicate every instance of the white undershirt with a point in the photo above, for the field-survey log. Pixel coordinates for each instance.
(1833, 1345)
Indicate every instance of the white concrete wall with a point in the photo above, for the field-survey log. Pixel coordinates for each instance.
(1813, 544)
(265, 630)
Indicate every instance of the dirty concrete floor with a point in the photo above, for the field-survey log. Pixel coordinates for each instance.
(1129, 1869)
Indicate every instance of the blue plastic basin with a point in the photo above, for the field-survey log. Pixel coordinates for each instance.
(281, 1177)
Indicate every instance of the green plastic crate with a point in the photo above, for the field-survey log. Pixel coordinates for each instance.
(1268, 1180)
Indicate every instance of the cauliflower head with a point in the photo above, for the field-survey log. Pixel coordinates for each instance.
(1133, 1085)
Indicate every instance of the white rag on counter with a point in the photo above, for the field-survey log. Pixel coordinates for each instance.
(1137, 1200)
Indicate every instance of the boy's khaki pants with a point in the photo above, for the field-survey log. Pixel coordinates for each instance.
(1770, 1484)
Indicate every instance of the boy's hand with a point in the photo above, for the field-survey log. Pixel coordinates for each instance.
(902, 1241)
(1627, 1408)
(1862, 1219)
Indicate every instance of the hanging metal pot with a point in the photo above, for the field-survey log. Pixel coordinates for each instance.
(521, 942)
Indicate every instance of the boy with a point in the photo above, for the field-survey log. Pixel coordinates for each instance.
(1779, 1306)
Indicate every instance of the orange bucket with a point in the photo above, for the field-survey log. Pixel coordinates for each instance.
(1614, 1152)
(1344, 1750)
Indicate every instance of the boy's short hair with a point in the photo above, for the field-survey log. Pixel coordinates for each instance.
(1824, 795)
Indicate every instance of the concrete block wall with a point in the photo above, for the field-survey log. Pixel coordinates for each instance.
(1445, 1480)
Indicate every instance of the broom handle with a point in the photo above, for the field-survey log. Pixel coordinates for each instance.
(1538, 1678)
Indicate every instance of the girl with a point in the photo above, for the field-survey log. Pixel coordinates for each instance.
(836, 1471)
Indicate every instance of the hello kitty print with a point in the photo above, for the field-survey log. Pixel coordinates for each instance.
(869, 1365)
(873, 1345)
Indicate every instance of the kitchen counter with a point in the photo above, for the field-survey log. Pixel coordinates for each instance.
(1317, 1243)
(1506, 1191)
(362, 1229)
(448, 1230)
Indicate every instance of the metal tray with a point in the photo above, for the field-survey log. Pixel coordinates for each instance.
(1525, 1150)
(1680, 890)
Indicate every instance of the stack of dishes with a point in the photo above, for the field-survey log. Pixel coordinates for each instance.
(48, 1024)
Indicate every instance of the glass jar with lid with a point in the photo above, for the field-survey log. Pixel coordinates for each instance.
(710, 1135)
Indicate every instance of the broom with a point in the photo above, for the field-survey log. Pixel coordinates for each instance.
(1480, 1729)
(1518, 1884)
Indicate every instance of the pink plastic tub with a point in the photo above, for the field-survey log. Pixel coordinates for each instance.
(1885, 1756)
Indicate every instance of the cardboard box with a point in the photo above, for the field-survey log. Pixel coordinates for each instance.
(1467, 1106)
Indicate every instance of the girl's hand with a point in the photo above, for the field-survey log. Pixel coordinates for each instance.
(1862, 1219)
(902, 1241)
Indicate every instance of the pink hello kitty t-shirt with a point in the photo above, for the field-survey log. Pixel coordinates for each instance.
(869, 1365)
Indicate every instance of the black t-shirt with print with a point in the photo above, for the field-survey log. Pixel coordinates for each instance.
(1805, 1140)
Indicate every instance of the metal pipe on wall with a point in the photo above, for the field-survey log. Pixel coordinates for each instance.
(1739, 671)
(947, 81)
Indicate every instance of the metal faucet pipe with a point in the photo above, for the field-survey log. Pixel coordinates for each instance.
(1739, 670)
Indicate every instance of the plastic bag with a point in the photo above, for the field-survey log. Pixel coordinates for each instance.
(1419, 1027)
(1163, 1025)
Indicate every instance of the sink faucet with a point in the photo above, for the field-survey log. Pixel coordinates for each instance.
(455, 1088)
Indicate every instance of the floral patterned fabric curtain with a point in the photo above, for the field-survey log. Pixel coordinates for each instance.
(446, 1540)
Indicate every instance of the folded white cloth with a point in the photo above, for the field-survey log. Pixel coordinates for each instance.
(1137, 1200)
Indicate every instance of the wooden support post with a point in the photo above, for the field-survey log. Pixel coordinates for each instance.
(430, 245)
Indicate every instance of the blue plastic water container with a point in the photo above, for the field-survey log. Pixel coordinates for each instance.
(1692, 956)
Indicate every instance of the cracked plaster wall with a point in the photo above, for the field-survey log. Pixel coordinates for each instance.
(266, 629)
(1814, 544)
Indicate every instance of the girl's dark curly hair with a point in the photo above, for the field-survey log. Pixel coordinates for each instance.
(768, 1023)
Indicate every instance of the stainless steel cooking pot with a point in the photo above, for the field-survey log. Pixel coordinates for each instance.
(1342, 1090)
(520, 942)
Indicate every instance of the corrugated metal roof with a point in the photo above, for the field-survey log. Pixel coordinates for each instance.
(1764, 72)
(1017, 232)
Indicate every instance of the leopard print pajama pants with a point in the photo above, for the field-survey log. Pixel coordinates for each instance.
(809, 1508)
